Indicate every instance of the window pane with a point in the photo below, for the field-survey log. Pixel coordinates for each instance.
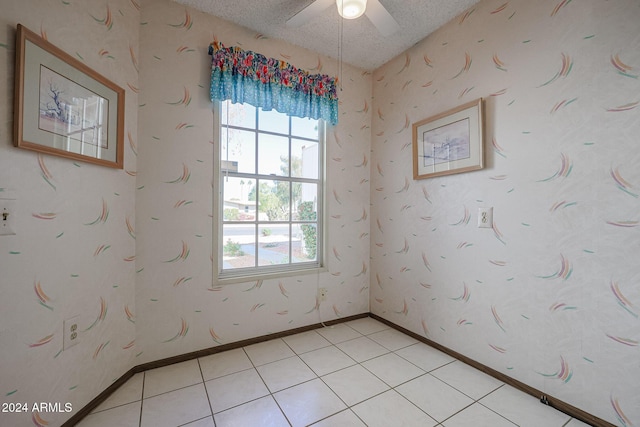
(243, 115)
(238, 152)
(239, 246)
(306, 204)
(236, 193)
(305, 240)
(296, 193)
(273, 200)
(304, 159)
(272, 121)
(269, 216)
(273, 244)
(273, 155)
(305, 128)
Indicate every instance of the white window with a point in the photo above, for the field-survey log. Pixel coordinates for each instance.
(268, 192)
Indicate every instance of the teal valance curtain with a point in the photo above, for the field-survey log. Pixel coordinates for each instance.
(244, 76)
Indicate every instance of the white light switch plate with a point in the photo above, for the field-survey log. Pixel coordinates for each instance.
(7, 211)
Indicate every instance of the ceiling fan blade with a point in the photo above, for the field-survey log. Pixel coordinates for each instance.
(381, 18)
(309, 12)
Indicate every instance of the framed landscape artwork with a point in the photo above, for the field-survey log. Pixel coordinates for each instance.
(450, 142)
(63, 107)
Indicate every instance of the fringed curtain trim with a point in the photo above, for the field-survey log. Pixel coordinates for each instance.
(244, 76)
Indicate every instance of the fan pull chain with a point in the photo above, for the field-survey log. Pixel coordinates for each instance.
(227, 143)
(340, 48)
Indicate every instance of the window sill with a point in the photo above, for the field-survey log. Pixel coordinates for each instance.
(266, 276)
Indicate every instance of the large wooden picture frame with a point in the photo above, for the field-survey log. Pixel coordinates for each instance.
(63, 107)
(450, 142)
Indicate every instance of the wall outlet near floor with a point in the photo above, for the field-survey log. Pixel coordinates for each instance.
(322, 294)
(485, 217)
(71, 332)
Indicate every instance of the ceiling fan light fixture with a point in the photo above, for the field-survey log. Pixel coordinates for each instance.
(351, 9)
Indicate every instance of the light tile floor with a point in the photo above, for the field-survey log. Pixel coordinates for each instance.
(358, 373)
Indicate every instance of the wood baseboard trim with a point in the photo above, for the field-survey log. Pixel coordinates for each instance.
(551, 401)
(86, 410)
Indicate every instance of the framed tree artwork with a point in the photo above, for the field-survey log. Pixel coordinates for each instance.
(63, 107)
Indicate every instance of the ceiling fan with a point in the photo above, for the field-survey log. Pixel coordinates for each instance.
(349, 9)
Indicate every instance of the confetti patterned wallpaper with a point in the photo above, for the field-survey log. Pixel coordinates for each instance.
(74, 251)
(551, 295)
(130, 251)
(179, 307)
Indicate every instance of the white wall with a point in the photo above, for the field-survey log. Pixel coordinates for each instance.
(50, 271)
(180, 309)
(550, 296)
(133, 305)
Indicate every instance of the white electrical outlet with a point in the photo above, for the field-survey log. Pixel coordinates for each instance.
(71, 332)
(485, 217)
(322, 294)
(7, 216)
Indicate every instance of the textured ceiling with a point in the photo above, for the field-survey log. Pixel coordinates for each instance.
(364, 47)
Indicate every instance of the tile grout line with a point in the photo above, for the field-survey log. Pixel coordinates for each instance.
(390, 388)
(206, 392)
(265, 384)
(191, 422)
(348, 407)
(95, 411)
(474, 400)
(457, 412)
(144, 377)
(253, 367)
(455, 388)
(495, 412)
(438, 423)
(389, 351)
(406, 398)
(171, 391)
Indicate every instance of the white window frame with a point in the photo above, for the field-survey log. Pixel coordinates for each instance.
(221, 276)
